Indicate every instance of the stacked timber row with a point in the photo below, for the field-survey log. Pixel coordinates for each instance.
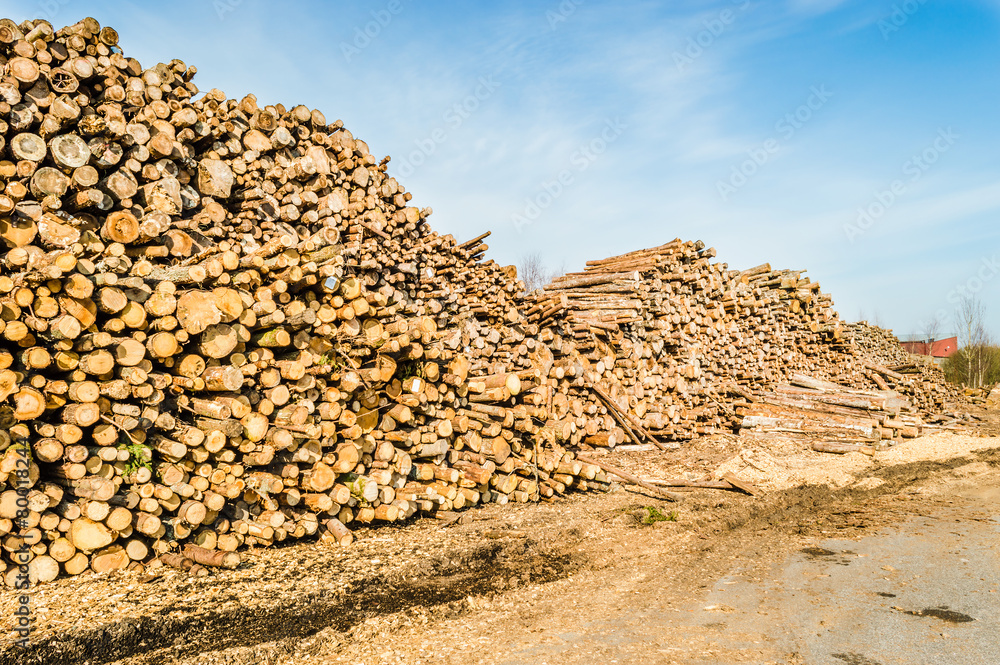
(222, 325)
(889, 366)
(795, 326)
(671, 346)
(669, 343)
(621, 330)
(878, 345)
(830, 417)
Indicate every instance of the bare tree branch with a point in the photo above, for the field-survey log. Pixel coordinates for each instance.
(931, 332)
(532, 271)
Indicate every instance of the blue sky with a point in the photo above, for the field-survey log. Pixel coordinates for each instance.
(583, 128)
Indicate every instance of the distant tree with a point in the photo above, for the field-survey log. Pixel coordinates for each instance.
(956, 367)
(977, 362)
(533, 272)
(931, 331)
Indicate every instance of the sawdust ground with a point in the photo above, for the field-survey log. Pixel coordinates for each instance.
(779, 465)
(509, 578)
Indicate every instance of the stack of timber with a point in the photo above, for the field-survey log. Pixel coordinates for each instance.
(889, 366)
(621, 333)
(878, 344)
(669, 343)
(671, 346)
(831, 417)
(222, 325)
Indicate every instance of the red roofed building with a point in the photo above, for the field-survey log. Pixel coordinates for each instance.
(942, 348)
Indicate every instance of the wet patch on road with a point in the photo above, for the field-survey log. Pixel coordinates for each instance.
(942, 613)
(855, 659)
(823, 554)
(816, 552)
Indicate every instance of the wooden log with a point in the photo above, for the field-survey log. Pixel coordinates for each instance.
(628, 477)
(43, 569)
(196, 311)
(29, 404)
(217, 559)
(838, 448)
(109, 558)
(26, 146)
(333, 530)
(223, 378)
(177, 561)
(70, 151)
(81, 414)
(218, 341)
(88, 536)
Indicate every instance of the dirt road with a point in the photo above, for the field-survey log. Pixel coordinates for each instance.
(923, 591)
(896, 562)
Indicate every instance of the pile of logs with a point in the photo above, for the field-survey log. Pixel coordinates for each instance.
(619, 333)
(670, 345)
(888, 366)
(831, 417)
(878, 344)
(667, 344)
(222, 325)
